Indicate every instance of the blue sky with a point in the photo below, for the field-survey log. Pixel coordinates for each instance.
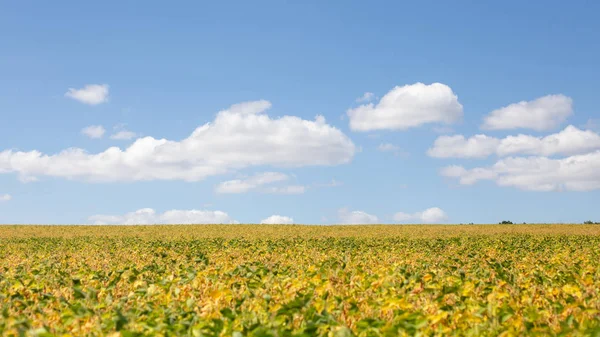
(439, 74)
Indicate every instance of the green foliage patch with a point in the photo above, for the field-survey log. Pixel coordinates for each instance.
(465, 285)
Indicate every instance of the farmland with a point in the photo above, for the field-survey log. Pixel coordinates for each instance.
(262, 280)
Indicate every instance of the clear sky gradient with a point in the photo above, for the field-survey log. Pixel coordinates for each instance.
(95, 75)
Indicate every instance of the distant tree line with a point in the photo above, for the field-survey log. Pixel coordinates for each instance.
(507, 222)
(589, 222)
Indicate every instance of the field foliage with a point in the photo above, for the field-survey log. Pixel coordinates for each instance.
(300, 280)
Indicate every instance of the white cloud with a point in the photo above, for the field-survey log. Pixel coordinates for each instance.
(251, 183)
(290, 189)
(148, 216)
(91, 94)
(94, 131)
(120, 133)
(569, 141)
(241, 136)
(5, 197)
(544, 113)
(387, 147)
(356, 217)
(457, 146)
(430, 215)
(408, 106)
(366, 97)
(574, 173)
(468, 177)
(123, 135)
(277, 220)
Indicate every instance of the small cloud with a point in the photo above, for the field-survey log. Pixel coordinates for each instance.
(356, 217)
(123, 135)
(93, 131)
(91, 94)
(291, 189)
(430, 215)
(540, 114)
(407, 107)
(245, 185)
(258, 183)
(277, 220)
(387, 147)
(478, 146)
(5, 197)
(366, 97)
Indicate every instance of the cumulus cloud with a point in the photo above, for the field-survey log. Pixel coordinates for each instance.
(123, 135)
(574, 173)
(93, 131)
(277, 220)
(148, 216)
(241, 136)
(356, 217)
(5, 197)
(91, 94)
(366, 97)
(244, 185)
(544, 113)
(458, 146)
(429, 216)
(406, 107)
(468, 177)
(569, 141)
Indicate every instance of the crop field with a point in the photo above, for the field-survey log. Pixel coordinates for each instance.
(243, 280)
